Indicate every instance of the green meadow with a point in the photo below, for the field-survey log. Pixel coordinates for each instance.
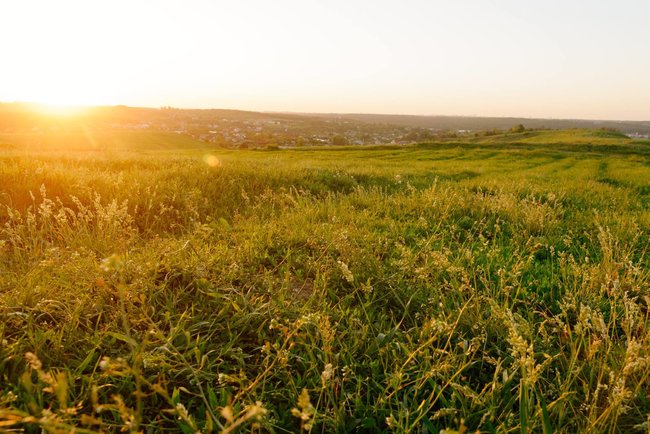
(493, 284)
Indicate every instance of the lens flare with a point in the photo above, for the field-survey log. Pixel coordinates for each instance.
(212, 161)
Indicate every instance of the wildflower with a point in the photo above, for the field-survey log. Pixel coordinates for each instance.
(326, 375)
(634, 359)
(523, 353)
(255, 411)
(590, 320)
(182, 412)
(306, 410)
(645, 426)
(347, 274)
(619, 393)
(444, 412)
(33, 361)
(105, 363)
(227, 413)
(112, 263)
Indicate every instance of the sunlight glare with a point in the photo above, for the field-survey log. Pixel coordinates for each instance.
(212, 161)
(60, 110)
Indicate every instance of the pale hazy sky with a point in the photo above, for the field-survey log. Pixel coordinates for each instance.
(552, 58)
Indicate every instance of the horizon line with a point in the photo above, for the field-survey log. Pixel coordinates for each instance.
(324, 113)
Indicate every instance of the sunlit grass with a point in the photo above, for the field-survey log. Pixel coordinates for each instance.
(79, 138)
(411, 289)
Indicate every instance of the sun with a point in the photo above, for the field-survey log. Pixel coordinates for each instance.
(59, 110)
(61, 101)
(62, 94)
(56, 102)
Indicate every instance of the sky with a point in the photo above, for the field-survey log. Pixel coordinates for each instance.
(586, 59)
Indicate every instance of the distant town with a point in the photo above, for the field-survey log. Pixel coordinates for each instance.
(250, 130)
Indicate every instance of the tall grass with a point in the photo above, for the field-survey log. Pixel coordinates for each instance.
(409, 289)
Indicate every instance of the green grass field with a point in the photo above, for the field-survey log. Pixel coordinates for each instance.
(150, 284)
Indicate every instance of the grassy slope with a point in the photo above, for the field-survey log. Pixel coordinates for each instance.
(93, 140)
(572, 137)
(498, 286)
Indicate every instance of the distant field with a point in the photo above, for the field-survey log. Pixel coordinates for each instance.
(499, 284)
(94, 140)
